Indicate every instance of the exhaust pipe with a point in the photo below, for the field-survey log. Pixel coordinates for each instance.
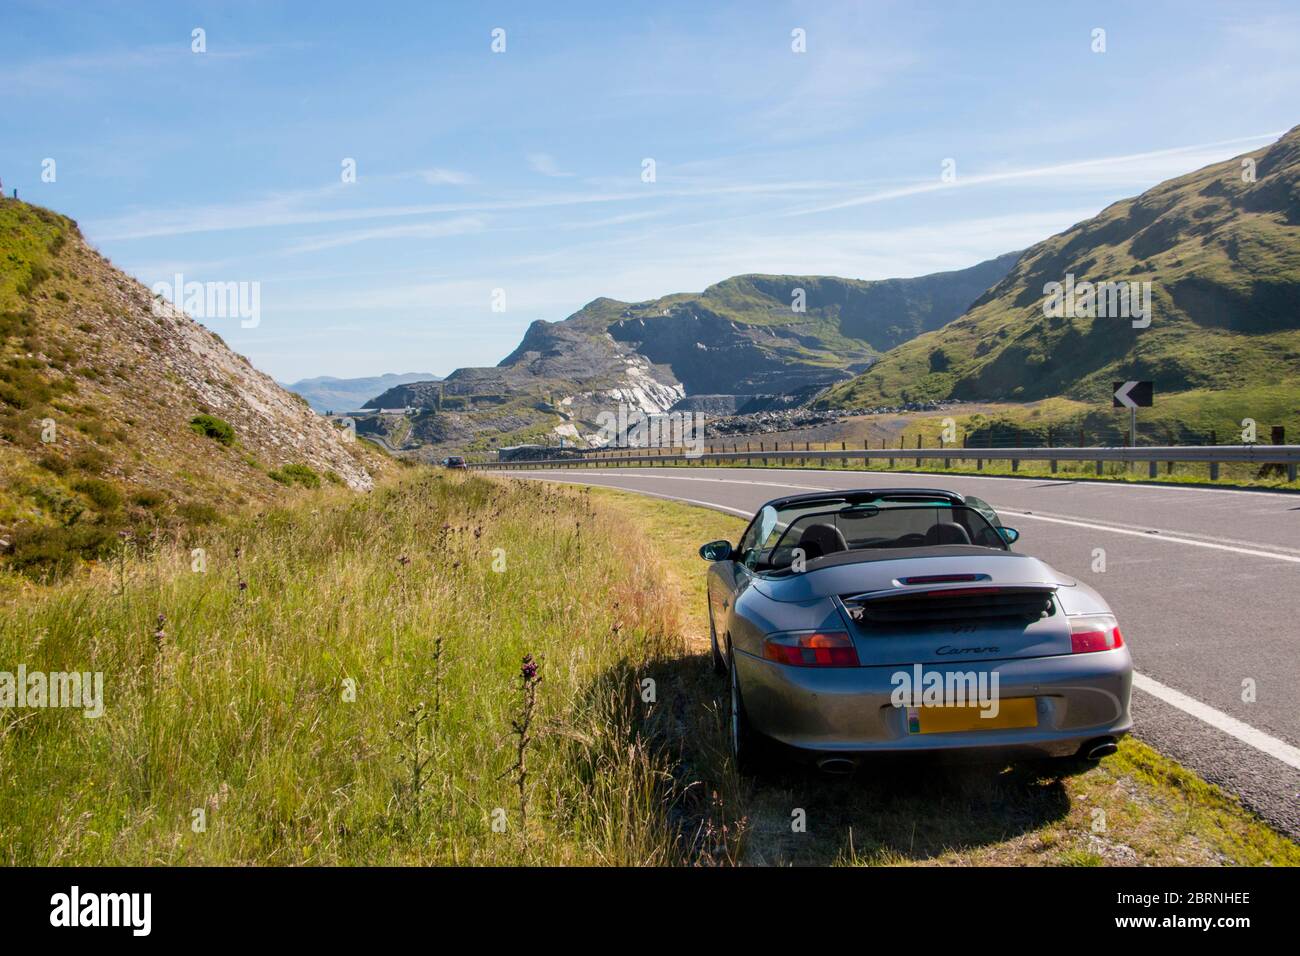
(1103, 747)
(837, 766)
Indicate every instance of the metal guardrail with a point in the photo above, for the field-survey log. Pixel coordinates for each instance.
(1214, 455)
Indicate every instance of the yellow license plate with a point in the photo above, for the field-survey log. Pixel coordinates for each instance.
(1017, 712)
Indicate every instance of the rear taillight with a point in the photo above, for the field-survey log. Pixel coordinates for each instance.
(819, 649)
(1097, 632)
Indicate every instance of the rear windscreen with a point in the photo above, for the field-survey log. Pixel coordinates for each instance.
(820, 532)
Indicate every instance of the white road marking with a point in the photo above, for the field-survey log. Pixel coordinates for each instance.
(1171, 538)
(1277, 749)
(648, 494)
(704, 504)
(1252, 737)
(716, 481)
(1134, 486)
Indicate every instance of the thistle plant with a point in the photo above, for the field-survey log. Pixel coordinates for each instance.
(522, 726)
(400, 619)
(437, 683)
(417, 737)
(416, 754)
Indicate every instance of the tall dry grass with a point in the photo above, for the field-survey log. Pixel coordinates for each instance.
(276, 691)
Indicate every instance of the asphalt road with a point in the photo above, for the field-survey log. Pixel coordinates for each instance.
(1205, 583)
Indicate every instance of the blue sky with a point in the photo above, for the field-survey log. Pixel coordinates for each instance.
(522, 170)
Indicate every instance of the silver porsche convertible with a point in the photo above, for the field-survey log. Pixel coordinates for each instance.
(888, 620)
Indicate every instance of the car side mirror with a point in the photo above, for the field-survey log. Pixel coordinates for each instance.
(716, 551)
(1009, 535)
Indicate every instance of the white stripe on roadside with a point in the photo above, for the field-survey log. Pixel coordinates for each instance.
(1160, 536)
(714, 481)
(1277, 749)
(1133, 486)
(637, 491)
(1171, 538)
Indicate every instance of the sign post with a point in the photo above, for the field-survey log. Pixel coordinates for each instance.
(1132, 395)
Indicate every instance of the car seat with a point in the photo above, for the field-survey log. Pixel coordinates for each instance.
(818, 540)
(945, 533)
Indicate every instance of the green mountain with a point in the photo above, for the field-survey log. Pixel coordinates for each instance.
(769, 333)
(751, 335)
(1220, 249)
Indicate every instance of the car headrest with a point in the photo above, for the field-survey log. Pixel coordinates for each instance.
(947, 534)
(821, 539)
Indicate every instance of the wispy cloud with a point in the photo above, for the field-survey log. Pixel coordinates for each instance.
(545, 164)
(304, 207)
(608, 221)
(323, 205)
(419, 230)
(1152, 165)
(438, 176)
(75, 70)
(653, 267)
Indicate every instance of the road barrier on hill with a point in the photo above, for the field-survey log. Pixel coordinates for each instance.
(1278, 456)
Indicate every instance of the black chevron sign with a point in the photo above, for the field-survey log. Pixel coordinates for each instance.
(1132, 395)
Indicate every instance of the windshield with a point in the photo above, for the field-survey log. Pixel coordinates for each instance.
(821, 528)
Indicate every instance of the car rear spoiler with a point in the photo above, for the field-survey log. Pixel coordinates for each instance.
(952, 601)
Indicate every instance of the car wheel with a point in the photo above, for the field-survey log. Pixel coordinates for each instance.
(719, 662)
(745, 743)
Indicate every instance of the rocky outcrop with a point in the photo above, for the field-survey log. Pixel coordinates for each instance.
(751, 342)
(113, 378)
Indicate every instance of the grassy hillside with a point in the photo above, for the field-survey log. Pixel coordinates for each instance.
(1223, 259)
(114, 419)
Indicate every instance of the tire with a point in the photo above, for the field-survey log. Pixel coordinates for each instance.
(719, 662)
(746, 745)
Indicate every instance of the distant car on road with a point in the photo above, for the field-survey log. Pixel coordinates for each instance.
(900, 620)
(454, 461)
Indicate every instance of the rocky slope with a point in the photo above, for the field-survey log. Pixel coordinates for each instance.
(750, 336)
(98, 393)
(1222, 255)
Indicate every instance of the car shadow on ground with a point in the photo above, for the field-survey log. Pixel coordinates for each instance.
(902, 810)
(892, 810)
